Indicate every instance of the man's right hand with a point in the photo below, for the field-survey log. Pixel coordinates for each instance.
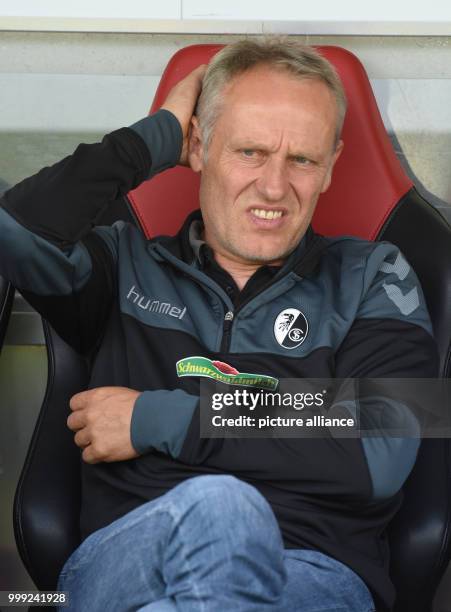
(181, 102)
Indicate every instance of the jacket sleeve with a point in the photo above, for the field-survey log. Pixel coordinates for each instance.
(390, 337)
(49, 248)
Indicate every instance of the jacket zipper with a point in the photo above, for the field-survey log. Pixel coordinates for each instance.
(231, 315)
(226, 331)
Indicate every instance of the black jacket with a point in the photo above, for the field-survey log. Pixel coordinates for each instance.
(338, 308)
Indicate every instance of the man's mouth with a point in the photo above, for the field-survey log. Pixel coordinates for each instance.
(266, 214)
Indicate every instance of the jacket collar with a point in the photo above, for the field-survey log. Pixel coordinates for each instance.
(187, 246)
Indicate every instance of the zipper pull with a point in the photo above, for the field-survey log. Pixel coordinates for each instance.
(226, 331)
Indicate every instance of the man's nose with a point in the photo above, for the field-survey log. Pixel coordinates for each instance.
(272, 183)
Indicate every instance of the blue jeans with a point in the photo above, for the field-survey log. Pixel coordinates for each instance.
(211, 544)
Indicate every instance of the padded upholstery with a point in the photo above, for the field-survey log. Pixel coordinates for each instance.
(424, 236)
(370, 197)
(420, 535)
(47, 501)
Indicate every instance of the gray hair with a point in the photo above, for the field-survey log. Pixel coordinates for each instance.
(234, 59)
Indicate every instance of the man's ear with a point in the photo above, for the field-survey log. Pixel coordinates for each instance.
(195, 146)
(335, 156)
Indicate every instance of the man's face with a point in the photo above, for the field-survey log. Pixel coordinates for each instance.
(270, 156)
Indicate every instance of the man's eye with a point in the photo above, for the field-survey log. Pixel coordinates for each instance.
(301, 160)
(248, 152)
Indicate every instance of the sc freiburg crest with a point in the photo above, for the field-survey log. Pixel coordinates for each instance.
(290, 328)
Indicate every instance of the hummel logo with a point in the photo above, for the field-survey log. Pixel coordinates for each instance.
(406, 302)
(400, 267)
(157, 306)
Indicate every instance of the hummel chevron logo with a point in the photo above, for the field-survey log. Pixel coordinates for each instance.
(401, 268)
(407, 302)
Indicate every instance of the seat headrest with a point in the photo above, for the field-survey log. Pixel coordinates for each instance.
(368, 179)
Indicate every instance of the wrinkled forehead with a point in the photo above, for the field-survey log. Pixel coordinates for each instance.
(278, 79)
(264, 101)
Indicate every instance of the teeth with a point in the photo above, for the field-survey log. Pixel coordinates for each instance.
(266, 214)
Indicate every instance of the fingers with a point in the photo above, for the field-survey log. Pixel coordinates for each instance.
(197, 76)
(82, 399)
(199, 71)
(182, 99)
(79, 400)
(81, 438)
(88, 455)
(192, 83)
(100, 419)
(76, 420)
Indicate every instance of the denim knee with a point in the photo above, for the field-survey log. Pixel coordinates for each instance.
(232, 504)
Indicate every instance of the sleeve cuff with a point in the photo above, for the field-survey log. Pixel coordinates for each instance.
(160, 421)
(163, 136)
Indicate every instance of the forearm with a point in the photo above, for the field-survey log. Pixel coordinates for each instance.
(61, 203)
(47, 247)
(371, 468)
(169, 422)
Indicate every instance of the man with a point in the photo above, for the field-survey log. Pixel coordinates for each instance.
(172, 521)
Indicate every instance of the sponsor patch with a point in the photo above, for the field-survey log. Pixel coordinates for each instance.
(290, 328)
(223, 372)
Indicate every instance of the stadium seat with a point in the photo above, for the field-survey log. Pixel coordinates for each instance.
(371, 197)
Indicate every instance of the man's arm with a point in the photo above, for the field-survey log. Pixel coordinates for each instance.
(48, 247)
(391, 337)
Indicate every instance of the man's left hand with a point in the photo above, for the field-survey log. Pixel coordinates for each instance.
(101, 418)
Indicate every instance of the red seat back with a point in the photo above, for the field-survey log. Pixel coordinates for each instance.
(368, 179)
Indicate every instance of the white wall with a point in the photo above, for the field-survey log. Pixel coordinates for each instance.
(92, 83)
(404, 17)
